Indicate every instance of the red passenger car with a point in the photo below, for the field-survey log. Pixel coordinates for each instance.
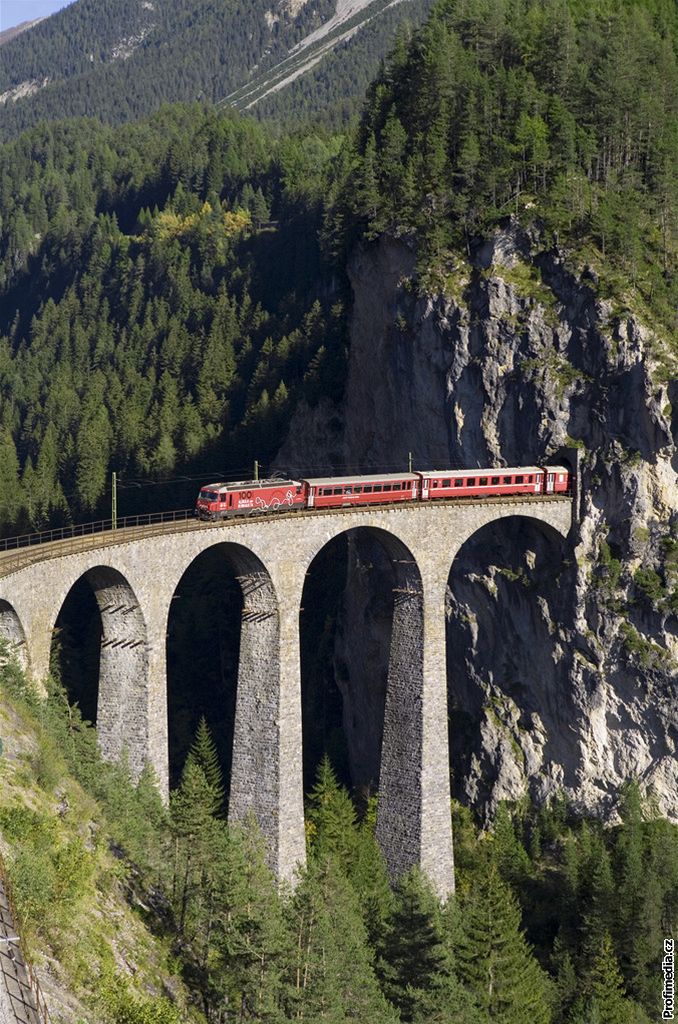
(557, 479)
(376, 489)
(248, 497)
(481, 483)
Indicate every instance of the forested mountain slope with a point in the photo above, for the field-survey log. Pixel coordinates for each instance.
(139, 914)
(122, 59)
(152, 314)
(508, 211)
(483, 271)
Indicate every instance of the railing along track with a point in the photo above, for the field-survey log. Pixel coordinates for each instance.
(18, 552)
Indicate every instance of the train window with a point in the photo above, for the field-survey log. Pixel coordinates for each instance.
(561, 477)
(368, 488)
(458, 482)
(337, 490)
(495, 481)
(447, 483)
(529, 479)
(471, 482)
(348, 490)
(298, 490)
(387, 487)
(508, 479)
(520, 479)
(377, 487)
(482, 481)
(358, 490)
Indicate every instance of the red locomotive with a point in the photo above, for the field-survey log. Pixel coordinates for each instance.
(249, 497)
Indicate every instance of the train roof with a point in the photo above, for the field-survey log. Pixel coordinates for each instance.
(483, 471)
(319, 481)
(237, 485)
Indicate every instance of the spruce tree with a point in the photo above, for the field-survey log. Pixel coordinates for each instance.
(604, 998)
(252, 938)
(494, 959)
(414, 951)
(203, 753)
(332, 976)
(331, 817)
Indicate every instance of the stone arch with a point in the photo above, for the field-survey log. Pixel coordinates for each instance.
(255, 764)
(13, 633)
(122, 705)
(399, 814)
(504, 660)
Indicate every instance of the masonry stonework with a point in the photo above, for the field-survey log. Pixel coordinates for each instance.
(134, 575)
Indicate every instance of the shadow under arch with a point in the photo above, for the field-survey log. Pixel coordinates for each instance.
(235, 590)
(362, 611)
(100, 648)
(506, 589)
(13, 633)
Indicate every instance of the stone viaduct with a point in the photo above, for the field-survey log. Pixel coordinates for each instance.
(134, 574)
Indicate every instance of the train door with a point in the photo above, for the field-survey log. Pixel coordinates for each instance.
(424, 487)
(550, 478)
(311, 497)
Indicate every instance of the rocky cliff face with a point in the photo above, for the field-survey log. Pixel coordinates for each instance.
(562, 664)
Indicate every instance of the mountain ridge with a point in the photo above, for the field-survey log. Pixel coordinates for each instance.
(80, 62)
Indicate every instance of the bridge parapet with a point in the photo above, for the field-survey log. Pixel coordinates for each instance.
(139, 566)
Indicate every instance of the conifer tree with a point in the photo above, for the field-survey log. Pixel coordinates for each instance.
(253, 942)
(203, 753)
(605, 999)
(494, 960)
(331, 817)
(332, 977)
(414, 952)
(369, 876)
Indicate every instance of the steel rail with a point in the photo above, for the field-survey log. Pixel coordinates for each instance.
(17, 553)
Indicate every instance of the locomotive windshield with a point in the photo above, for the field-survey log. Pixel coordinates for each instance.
(209, 495)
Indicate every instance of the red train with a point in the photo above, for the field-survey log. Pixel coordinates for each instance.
(249, 497)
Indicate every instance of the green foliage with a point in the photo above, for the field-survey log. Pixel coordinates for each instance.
(611, 568)
(122, 1006)
(594, 902)
(495, 960)
(414, 953)
(203, 754)
(154, 319)
(195, 49)
(517, 106)
(650, 583)
(333, 976)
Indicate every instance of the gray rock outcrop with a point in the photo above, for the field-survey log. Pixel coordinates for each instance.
(562, 664)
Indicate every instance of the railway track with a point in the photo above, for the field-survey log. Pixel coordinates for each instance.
(18, 552)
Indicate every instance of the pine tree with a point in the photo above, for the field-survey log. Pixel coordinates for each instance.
(509, 853)
(414, 951)
(332, 977)
(10, 487)
(203, 753)
(198, 840)
(369, 876)
(494, 960)
(605, 999)
(331, 817)
(252, 937)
